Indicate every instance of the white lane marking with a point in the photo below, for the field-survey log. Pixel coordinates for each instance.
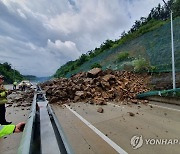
(164, 107)
(104, 137)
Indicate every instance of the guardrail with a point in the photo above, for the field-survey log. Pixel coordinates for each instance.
(43, 133)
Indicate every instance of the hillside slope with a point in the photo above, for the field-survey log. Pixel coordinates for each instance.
(153, 46)
(10, 74)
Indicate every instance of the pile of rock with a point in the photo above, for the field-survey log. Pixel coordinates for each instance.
(96, 86)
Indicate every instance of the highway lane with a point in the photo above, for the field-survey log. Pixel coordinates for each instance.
(82, 139)
(152, 122)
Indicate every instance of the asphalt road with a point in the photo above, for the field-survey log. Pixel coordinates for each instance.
(89, 131)
(153, 122)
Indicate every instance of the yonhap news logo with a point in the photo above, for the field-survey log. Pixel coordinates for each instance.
(137, 141)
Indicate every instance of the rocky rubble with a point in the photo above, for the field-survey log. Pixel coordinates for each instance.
(97, 87)
(20, 99)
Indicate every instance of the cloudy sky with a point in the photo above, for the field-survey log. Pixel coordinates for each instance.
(38, 36)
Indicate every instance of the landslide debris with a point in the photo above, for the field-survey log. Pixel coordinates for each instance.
(20, 99)
(97, 87)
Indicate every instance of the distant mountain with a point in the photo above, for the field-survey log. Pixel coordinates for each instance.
(30, 77)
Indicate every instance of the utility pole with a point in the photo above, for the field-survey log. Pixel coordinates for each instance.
(172, 47)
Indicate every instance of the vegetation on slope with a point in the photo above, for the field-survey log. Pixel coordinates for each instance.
(10, 75)
(157, 17)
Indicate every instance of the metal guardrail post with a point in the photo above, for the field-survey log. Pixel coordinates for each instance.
(28, 132)
(60, 131)
(50, 134)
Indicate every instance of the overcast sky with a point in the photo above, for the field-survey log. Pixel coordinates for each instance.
(38, 36)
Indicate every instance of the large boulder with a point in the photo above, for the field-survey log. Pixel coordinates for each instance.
(94, 72)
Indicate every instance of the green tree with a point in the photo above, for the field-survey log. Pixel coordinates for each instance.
(7, 66)
(82, 59)
(10, 74)
(176, 8)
